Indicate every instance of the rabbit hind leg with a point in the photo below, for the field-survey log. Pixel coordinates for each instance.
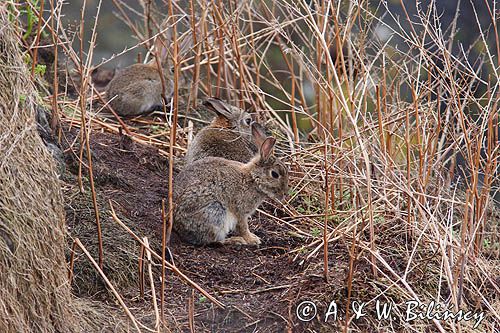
(214, 222)
(244, 236)
(152, 108)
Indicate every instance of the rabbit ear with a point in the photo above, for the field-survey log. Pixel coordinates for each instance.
(258, 134)
(161, 49)
(163, 42)
(266, 150)
(218, 106)
(187, 38)
(251, 109)
(186, 44)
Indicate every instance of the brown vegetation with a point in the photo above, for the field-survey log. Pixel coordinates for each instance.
(34, 292)
(370, 128)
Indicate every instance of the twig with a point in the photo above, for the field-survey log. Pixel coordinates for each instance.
(113, 290)
(152, 285)
(167, 264)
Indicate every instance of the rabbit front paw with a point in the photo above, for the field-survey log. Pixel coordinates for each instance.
(252, 239)
(235, 240)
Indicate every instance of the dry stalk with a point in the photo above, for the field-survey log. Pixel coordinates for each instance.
(163, 253)
(152, 285)
(167, 264)
(110, 286)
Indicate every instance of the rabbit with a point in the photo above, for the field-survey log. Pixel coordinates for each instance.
(137, 88)
(214, 196)
(228, 136)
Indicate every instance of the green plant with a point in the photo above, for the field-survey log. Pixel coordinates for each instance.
(40, 69)
(315, 232)
(31, 17)
(10, 9)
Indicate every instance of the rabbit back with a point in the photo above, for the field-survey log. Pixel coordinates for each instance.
(220, 142)
(136, 90)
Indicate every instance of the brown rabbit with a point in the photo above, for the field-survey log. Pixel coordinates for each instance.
(215, 196)
(137, 89)
(228, 136)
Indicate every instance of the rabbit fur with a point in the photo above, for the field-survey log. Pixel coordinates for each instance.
(138, 88)
(228, 136)
(215, 196)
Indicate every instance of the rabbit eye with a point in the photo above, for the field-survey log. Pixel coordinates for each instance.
(274, 174)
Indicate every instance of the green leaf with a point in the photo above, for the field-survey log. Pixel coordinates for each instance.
(316, 232)
(40, 69)
(22, 99)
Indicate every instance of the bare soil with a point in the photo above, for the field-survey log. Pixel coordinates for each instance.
(259, 286)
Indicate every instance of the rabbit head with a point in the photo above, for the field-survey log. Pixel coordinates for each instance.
(232, 117)
(229, 135)
(269, 174)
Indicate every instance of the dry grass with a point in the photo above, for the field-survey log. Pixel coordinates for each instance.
(371, 132)
(34, 294)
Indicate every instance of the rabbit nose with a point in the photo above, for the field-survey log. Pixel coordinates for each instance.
(280, 197)
(284, 195)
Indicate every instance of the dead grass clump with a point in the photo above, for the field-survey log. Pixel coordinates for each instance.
(34, 290)
(34, 294)
(120, 250)
(98, 316)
